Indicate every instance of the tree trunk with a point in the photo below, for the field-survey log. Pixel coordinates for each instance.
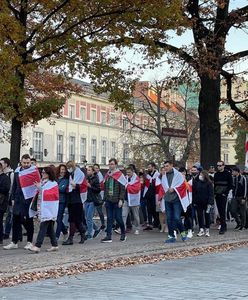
(210, 136)
(16, 139)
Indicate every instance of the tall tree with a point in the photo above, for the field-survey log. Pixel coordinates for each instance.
(210, 23)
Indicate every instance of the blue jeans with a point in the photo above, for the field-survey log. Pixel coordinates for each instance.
(173, 212)
(89, 208)
(114, 212)
(60, 225)
(100, 213)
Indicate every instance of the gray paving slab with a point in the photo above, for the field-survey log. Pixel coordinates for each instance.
(217, 276)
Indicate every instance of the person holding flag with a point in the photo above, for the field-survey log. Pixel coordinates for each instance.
(23, 191)
(132, 198)
(175, 200)
(114, 194)
(77, 195)
(46, 204)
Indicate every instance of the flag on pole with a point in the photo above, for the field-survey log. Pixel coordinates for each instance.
(27, 178)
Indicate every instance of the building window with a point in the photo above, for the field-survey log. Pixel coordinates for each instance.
(125, 153)
(72, 111)
(104, 152)
(82, 150)
(82, 113)
(226, 158)
(72, 146)
(226, 146)
(112, 120)
(38, 146)
(103, 118)
(125, 123)
(112, 149)
(93, 116)
(60, 148)
(93, 151)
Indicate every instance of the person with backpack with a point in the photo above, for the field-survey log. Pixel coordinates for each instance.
(238, 202)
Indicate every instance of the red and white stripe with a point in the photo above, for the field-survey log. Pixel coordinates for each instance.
(79, 178)
(133, 190)
(149, 179)
(27, 178)
(190, 183)
(118, 176)
(159, 194)
(101, 180)
(180, 187)
(49, 201)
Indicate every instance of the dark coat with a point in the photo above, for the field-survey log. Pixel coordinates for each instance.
(21, 205)
(74, 196)
(4, 191)
(204, 193)
(63, 186)
(93, 192)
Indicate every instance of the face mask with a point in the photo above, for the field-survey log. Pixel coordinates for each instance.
(70, 170)
(194, 173)
(201, 177)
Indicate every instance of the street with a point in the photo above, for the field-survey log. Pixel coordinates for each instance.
(211, 276)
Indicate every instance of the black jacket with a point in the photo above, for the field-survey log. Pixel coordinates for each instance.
(204, 193)
(240, 187)
(223, 183)
(21, 206)
(195, 180)
(4, 191)
(93, 192)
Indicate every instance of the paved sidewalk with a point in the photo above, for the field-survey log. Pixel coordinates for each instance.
(213, 276)
(13, 262)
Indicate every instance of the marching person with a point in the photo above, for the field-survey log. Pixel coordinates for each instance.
(46, 205)
(23, 192)
(93, 196)
(114, 194)
(4, 197)
(62, 177)
(223, 183)
(239, 199)
(176, 200)
(8, 220)
(203, 201)
(76, 196)
(132, 198)
(149, 194)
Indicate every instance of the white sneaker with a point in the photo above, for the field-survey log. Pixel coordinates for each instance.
(65, 237)
(136, 232)
(190, 234)
(34, 249)
(201, 232)
(53, 249)
(11, 246)
(28, 246)
(207, 233)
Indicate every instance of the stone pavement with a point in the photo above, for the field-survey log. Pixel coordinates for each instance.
(212, 276)
(13, 262)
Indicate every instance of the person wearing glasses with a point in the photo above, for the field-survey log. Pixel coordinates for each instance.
(223, 183)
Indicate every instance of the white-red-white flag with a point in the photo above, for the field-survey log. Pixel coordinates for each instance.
(117, 175)
(133, 190)
(27, 178)
(79, 178)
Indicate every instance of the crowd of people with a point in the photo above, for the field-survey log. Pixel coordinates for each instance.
(66, 199)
